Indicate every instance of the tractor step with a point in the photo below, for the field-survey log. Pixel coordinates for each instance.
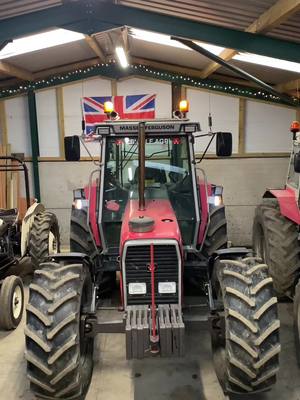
(170, 331)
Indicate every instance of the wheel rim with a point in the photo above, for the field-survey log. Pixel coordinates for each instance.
(17, 301)
(52, 243)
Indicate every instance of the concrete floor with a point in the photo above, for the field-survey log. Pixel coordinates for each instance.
(114, 378)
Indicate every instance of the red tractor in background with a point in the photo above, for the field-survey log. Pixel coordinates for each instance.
(276, 233)
(147, 219)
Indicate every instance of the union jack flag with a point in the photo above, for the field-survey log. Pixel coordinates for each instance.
(137, 106)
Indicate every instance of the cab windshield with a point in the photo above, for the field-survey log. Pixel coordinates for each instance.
(167, 176)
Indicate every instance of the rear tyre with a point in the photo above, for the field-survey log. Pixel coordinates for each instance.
(275, 240)
(81, 242)
(216, 237)
(44, 237)
(245, 340)
(59, 356)
(11, 302)
(297, 322)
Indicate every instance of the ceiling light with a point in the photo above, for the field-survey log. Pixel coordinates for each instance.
(39, 41)
(268, 61)
(159, 38)
(122, 57)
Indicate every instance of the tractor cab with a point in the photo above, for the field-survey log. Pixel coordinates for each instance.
(167, 174)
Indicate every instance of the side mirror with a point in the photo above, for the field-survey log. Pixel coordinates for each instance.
(72, 148)
(297, 162)
(224, 144)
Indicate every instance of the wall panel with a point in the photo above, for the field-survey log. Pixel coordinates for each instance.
(267, 127)
(46, 109)
(18, 128)
(224, 111)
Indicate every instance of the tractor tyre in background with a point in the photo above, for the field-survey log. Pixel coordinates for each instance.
(81, 242)
(216, 237)
(44, 238)
(11, 302)
(59, 356)
(275, 240)
(246, 347)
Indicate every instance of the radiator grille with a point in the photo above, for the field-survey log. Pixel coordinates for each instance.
(137, 263)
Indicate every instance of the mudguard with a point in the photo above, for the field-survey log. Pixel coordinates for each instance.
(32, 211)
(232, 251)
(287, 199)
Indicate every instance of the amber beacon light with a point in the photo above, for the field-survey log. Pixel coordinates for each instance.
(184, 106)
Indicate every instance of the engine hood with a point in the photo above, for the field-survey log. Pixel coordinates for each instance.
(165, 222)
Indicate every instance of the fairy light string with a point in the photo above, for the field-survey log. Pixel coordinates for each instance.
(111, 70)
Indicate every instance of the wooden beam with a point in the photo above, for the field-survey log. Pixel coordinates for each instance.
(168, 67)
(226, 54)
(274, 16)
(94, 45)
(17, 72)
(289, 86)
(65, 68)
(269, 20)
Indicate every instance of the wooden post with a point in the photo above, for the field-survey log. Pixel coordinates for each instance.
(242, 113)
(3, 125)
(114, 87)
(176, 95)
(61, 121)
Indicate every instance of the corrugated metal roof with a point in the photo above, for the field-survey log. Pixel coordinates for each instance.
(13, 8)
(290, 30)
(235, 14)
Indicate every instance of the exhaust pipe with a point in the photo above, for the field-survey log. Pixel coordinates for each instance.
(141, 145)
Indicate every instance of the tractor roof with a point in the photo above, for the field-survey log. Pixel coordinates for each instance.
(158, 126)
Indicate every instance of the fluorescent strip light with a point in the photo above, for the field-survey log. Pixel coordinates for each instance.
(122, 57)
(159, 38)
(268, 61)
(39, 41)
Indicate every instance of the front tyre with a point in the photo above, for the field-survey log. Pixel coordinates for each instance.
(247, 348)
(11, 302)
(59, 357)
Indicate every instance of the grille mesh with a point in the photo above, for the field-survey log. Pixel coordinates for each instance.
(137, 262)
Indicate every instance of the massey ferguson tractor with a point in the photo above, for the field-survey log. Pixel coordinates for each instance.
(147, 222)
(276, 233)
(35, 236)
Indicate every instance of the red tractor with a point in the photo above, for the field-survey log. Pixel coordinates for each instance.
(151, 221)
(276, 233)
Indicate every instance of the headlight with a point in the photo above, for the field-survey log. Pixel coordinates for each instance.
(166, 287)
(80, 203)
(218, 200)
(137, 288)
